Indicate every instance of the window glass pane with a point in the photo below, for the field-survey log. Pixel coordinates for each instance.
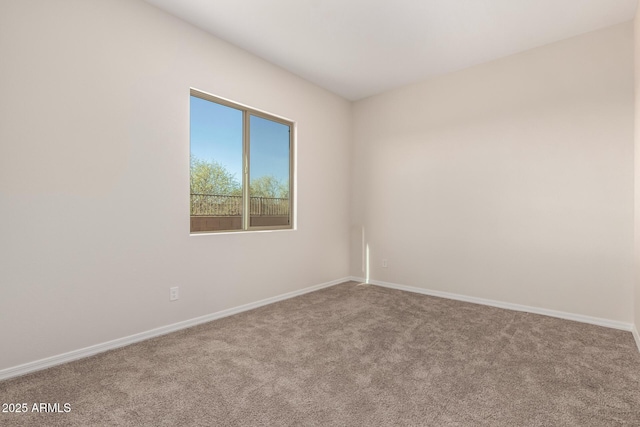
(269, 173)
(216, 166)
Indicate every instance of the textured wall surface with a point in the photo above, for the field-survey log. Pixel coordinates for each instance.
(516, 177)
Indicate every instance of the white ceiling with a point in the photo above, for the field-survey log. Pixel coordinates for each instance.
(358, 48)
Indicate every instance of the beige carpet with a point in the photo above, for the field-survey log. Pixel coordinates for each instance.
(352, 355)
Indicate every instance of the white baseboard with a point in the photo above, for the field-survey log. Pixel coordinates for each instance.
(636, 336)
(121, 342)
(509, 306)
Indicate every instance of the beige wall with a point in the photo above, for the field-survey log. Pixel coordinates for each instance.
(511, 180)
(637, 175)
(94, 136)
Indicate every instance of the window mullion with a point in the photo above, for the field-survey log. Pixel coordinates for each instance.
(246, 201)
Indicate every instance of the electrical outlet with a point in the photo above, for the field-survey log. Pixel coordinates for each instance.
(384, 263)
(173, 293)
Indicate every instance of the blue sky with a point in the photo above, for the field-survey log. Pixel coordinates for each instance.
(216, 134)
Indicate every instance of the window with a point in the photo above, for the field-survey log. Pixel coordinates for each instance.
(240, 168)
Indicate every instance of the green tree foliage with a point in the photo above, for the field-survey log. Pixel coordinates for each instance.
(213, 178)
(210, 177)
(269, 186)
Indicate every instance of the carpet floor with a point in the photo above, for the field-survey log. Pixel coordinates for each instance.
(351, 355)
